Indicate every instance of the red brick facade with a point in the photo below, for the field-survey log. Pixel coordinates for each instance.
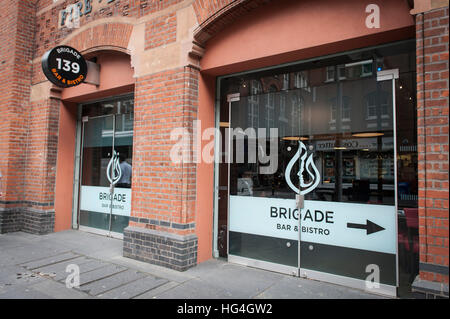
(166, 93)
(433, 142)
(164, 192)
(16, 52)
(161, 31)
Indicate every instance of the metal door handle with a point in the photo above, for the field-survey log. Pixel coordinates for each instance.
(300, 201)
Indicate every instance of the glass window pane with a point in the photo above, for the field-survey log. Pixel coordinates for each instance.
(335, 114)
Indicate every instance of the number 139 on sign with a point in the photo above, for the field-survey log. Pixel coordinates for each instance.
(67, 66)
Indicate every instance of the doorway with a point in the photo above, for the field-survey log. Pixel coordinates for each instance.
(104, 201)
(307, 182)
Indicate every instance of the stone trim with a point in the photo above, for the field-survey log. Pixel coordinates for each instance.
(439, 269)
(421, 6)
(25, 202)
(160, 248)
(430, 289)
(162, 223)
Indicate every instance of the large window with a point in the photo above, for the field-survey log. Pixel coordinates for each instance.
(333, 142)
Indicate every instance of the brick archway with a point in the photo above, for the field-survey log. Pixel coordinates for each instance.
(214, 16)
(111, 36)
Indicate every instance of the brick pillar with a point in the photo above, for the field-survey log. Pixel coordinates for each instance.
(433, 148)
(17, 22)
(162, 223)
(38, 214)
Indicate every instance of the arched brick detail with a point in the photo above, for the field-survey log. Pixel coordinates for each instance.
(206, 8)
(214, 16)
(111, 35)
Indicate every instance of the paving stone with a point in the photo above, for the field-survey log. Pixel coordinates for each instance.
(61, 266)
(134, 288)
(100, 273)
(28, 252)
(114, 281)
(58, 290)
(152, 294)
(49, 260)
(14, 276)
(196, 289)
(299, 288)
(239, 281)
(85, 267)
(21, 292)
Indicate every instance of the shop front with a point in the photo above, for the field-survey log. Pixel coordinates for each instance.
(309, 187)
(314, 135)
(94, 182)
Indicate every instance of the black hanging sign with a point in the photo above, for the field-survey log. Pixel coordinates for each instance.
(64, 66)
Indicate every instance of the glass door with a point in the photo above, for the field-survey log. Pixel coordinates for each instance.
(106, 167)
(123, 150)
(99, 166)
(264, 136)
(312, 175)
(349, 220)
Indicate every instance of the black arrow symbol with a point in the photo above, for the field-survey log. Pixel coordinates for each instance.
(370, 227)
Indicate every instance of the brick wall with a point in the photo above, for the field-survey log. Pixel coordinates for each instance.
(206, 8)
(162, 224)
(40, 168)
(161, 31)
(16, 38)
(164, 100)
(433, 143)
(214, 16)
(29, 134)
(163, 192)
(49, 31)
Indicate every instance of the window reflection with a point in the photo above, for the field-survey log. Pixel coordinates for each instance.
(352, 151)
(337, 111)
(123, 105)
(98, 137)
(329, 109)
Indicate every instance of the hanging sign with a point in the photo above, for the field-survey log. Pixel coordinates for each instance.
(64, 66)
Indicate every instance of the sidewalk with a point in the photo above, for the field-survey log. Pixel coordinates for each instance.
(33, 266)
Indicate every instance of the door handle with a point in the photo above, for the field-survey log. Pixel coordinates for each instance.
(300, 201)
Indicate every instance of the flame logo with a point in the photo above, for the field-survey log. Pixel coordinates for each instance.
(116, 171)
(307, 163)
